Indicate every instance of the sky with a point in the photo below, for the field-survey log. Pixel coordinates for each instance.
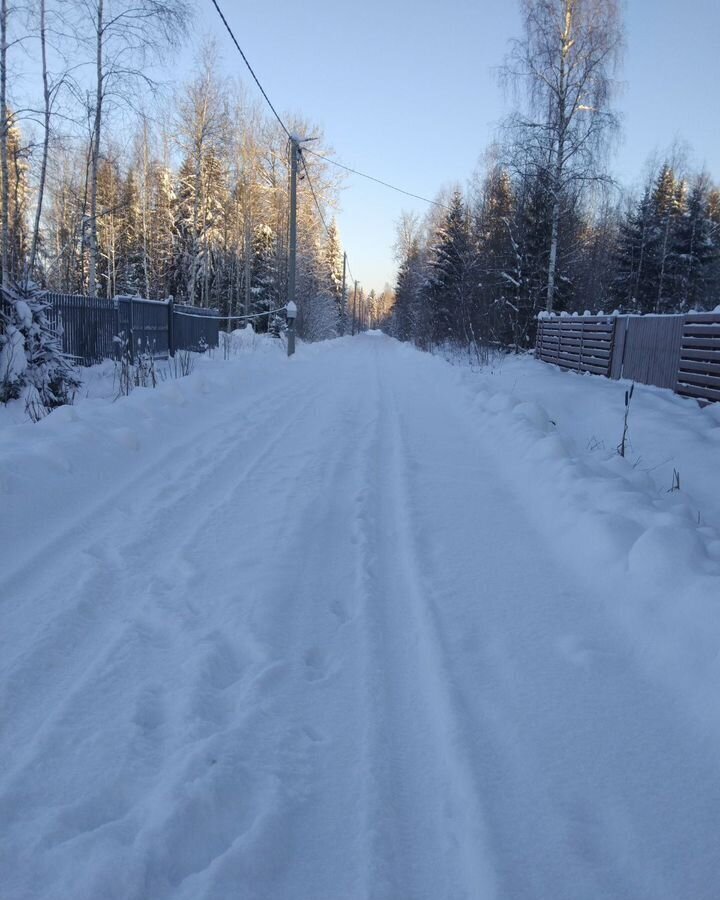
(407, 91)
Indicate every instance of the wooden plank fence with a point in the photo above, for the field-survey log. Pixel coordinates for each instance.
(680, 352)
(582, 343)
(699, 366)
(647, 349)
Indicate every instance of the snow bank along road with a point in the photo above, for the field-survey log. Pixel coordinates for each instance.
(296, 629)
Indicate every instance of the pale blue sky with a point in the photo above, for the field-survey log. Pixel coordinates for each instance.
(407, 91)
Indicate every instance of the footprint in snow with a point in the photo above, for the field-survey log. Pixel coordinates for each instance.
(571, 648)
(315, 667)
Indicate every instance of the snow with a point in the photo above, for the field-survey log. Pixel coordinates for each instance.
(360, 624)
(13, 360)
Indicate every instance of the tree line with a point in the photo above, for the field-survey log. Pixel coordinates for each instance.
(544, 227)
(112, 184)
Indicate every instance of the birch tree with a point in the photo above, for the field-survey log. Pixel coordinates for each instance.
(565, 63)
(4, 134)
(124, 35)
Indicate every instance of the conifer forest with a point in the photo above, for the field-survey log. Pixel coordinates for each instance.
(116, 181)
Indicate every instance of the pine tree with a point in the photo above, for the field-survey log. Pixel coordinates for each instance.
(668, 208)
(130, 265)
(630, 289)
(408, 296)
(499, 267)
(162, 234)
(695, 248)
(450, 275)
(333, 264)
(31, 355)
(264, 275)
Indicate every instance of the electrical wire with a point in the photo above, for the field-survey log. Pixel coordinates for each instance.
(319, 155)
(189, 315)
(250, 68)
(319, 208)
(386, 184)
(312, 190)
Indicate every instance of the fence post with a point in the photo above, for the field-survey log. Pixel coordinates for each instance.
(625, 342)
(116, 329)
(171, 323)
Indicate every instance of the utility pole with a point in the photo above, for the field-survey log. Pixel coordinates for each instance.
(294, 156)
(354, 307)
(342, 311)
(291, 313)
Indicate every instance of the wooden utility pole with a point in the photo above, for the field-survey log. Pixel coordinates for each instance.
(294, 155)
(342, 311)
(291, 305)
(354, 307)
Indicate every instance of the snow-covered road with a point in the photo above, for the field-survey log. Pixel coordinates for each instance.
(309, 644)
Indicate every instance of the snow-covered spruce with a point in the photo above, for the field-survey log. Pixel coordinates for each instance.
(32, 361)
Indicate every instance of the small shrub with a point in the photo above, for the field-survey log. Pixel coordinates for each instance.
(623, 441)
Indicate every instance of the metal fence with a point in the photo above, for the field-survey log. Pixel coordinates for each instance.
(94, 328)
(194, 328)
(144, 325)
(680, 352)
(88, 326)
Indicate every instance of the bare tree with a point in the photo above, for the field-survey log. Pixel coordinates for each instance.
(51, 89)
(4, 132)
(125, 34)
(565, 62)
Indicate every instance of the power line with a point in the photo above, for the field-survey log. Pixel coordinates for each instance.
(386, 184)
(317, 204)
(250, 68)
(189, 315)
(312, 189)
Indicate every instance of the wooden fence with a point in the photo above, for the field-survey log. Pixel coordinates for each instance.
(680, 352)
(699, 364)
(573, 342)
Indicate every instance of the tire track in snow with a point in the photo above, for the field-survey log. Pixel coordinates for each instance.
(288, 720)
(422, 798)
(304, 616)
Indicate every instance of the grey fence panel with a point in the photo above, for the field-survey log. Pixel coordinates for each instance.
(699, 367)
(583, 343)
(650, 349)
(88, 326)
(618, 354)
(195, 328)
(680, 352)
(144, 324)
